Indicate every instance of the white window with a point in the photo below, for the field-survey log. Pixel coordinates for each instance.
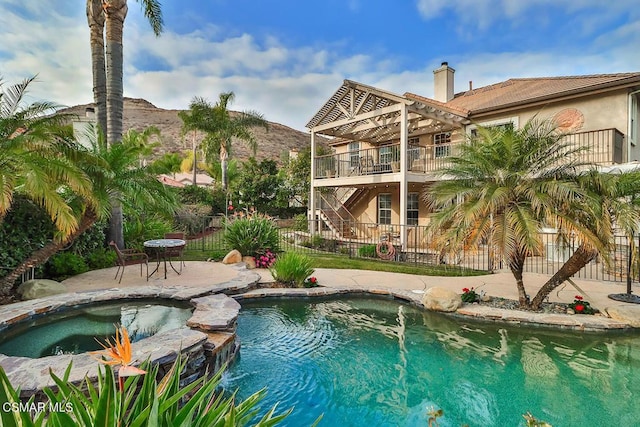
(414, 148)
(386, 155)
(442, 143)
(413, 208)
(354, 154)
(384, 208)
(511, 122)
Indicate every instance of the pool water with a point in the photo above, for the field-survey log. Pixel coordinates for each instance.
(77, 330)
(376, 362)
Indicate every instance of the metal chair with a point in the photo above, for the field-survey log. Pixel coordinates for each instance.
(129, 256)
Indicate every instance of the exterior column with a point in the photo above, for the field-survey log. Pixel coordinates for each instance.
(404, 185)
(312, 196)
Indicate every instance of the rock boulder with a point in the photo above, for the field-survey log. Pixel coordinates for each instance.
(249, 261)
(38, 288)
(232, 257)
(440, 299)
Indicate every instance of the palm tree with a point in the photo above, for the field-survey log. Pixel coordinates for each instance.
(107, 63)
(37, 156)
(95, 19)
(118, 177)
(115, 12)
(509, 184)
(220, 127)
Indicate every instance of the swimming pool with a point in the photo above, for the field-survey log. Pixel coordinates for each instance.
(376, 362)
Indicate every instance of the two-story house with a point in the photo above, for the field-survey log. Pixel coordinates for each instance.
(388, 147)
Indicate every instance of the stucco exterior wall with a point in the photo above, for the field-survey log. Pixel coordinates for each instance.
(601, 111)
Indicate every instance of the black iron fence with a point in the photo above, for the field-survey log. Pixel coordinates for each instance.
(381, 241)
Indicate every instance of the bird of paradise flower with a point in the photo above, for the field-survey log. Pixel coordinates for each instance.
(118, 353)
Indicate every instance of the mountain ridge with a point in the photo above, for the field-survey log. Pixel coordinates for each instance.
(140, 114)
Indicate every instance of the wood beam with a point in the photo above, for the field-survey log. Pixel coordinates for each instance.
(360, 117)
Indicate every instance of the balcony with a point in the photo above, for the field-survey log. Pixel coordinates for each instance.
(602, 147)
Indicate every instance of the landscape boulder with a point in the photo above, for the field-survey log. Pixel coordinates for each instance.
(232, 257)
(38, 288)
(249, 261)
(629, 315)
(440, 299)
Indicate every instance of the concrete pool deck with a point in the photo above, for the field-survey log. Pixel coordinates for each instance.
(616, 315)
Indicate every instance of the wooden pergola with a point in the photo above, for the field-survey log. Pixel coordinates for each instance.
(358, 112)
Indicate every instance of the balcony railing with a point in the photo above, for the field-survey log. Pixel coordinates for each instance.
(602, 147)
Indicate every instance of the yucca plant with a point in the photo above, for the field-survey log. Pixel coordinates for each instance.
(292, 268)
(252, 234)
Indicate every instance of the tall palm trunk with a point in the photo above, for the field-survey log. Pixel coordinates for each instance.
(95, 18)
(516, 265)
(224, 156)
(581, 257)
(116, 12)
(42, 255)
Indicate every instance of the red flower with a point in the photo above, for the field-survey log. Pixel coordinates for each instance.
(465, 290)
(313, 280)
(578, 297)
(230, 207)
(579, 308)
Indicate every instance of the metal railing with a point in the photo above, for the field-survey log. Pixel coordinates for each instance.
(419, 250)
(604, 146)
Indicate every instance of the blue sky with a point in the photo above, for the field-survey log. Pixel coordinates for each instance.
(285, 58)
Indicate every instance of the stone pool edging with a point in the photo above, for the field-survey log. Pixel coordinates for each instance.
(208, 339)
(578, 322)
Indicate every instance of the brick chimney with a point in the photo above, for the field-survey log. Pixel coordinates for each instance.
(443, 83)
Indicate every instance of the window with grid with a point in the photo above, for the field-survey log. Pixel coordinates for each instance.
(441, 142)
(412, 209)
(384, 208)
(386, 155)
(414, 148)
(354, 154)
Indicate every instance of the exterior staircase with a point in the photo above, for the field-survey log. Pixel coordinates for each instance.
(334, 210)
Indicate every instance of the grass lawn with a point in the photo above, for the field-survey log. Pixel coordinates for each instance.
(322, 260)
(330, 260)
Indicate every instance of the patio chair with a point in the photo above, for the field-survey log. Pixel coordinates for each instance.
(178, 251)
(367, 165)
(127, 257)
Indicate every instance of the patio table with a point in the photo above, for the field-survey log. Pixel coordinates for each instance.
(160, 246)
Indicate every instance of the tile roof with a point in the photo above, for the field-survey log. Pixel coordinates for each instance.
(527, 90)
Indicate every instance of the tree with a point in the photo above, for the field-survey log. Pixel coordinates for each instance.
(260, 186)
(118, 177)
(220, 127)
(37, 156)
(107, 64)
(95, 19)
(507, 184)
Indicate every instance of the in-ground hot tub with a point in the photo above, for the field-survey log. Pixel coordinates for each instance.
(78, 330)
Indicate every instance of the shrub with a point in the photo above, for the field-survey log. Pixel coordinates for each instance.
(469, 295)
(265, 260)
(292, 269)
(252, 235)
(101, 258)
(301, 222)
(65, 264)
(137, 231)
(192, 219)
(368, 251)
(580, 306)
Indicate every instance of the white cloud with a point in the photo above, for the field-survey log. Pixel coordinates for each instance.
(482, 13)
(286, 83)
